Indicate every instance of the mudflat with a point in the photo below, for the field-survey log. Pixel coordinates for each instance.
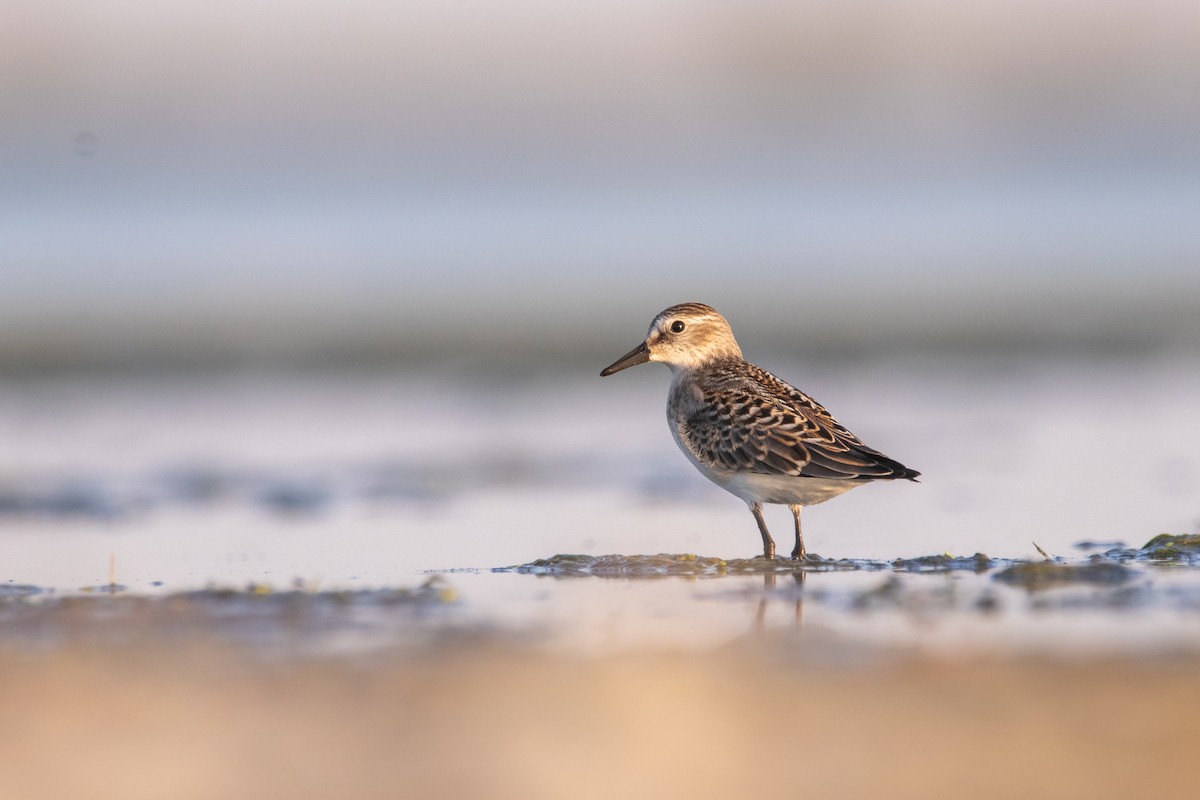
(479, 719)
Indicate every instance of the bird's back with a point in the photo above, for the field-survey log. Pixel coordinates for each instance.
(732, 415)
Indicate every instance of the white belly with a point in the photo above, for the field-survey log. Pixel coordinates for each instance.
(753, 487)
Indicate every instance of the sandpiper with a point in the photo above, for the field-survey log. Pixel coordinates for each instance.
(746, 430)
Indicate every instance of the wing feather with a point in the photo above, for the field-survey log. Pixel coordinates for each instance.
(750, 420)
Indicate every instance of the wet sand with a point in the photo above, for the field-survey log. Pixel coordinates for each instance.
(473, 719)
(400, 693)
(906, 665)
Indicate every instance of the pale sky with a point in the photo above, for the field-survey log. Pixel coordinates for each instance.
(270, 160)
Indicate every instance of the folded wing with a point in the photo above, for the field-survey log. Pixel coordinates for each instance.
(764, 425)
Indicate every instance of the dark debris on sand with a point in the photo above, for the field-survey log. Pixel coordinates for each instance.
(673, 564)
(1108, 568)
(1035, 575)
(1181, 548)
(977, 563)
(669, 564)
(277, 623)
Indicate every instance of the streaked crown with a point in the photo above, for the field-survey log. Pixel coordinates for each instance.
(689, 335)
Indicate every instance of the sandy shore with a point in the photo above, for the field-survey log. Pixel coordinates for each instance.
(470, 720)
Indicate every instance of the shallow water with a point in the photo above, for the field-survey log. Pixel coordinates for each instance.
(340, 481)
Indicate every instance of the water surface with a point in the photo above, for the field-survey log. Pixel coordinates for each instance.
(351, 481)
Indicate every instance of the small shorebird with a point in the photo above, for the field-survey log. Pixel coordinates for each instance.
(746, 430)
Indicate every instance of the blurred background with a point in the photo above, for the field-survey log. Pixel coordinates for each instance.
(356, 266)
(306, 183)
(315, 294)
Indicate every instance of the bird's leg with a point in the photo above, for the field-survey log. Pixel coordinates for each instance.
(798, 552)
(768, 542)
(799, 577)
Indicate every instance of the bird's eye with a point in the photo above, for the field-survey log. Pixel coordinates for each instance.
(677, 326)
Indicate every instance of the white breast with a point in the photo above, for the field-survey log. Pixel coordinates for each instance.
(754, 487)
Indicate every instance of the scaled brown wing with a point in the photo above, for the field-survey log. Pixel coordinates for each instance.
(747, 430)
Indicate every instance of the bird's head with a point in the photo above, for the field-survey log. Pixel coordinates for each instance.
(683, 337)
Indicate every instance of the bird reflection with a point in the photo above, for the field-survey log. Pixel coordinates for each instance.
(769, 585)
